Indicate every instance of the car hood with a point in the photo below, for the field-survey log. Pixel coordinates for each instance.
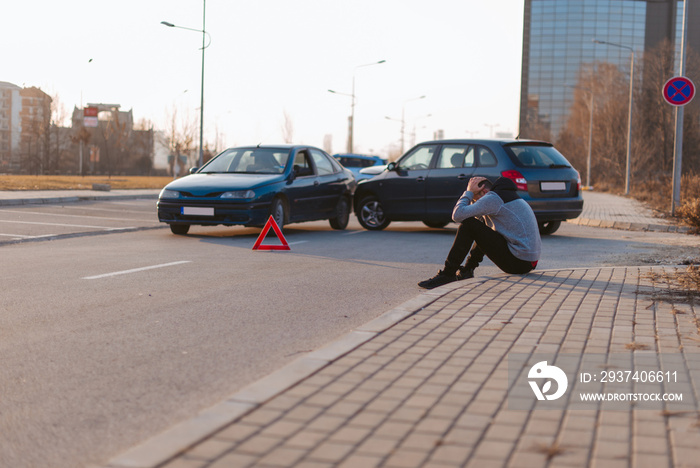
(204, 184)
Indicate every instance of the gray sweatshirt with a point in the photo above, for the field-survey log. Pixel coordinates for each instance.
(514, 220)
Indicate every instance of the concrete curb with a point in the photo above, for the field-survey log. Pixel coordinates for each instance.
(170, 443)
(627, 226)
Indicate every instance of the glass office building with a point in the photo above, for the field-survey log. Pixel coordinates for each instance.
(558, 39)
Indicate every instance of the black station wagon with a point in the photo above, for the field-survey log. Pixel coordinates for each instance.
(426, 182)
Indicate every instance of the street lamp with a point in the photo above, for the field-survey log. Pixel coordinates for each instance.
(351, 132)
(629, 115)
(491, 127)
(414, 133)
(201, 98)
(403, 119)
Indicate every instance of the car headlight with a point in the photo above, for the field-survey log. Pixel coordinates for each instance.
(240, 194)
(165, 193)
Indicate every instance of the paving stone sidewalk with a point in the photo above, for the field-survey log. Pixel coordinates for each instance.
(428, 385)
(612, 211)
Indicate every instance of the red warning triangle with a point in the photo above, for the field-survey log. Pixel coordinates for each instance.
(271, 224)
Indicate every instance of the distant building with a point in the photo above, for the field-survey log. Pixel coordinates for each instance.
(108, 143)
(35, 135)
(558, 40)
(10, 106)
(25, 117)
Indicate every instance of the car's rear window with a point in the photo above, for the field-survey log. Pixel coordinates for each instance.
(356, 162)
(535, 156)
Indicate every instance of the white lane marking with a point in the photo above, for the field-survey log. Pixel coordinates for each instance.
(297, 242)
(63, 225)
(136, 270)
(44, 213)
(20, 236)
(350, 233)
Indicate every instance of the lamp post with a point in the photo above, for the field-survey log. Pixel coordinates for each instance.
(351, 131)
(629, 114)
(403, 119)
(415, 132)
(201, 97)
(491, 127)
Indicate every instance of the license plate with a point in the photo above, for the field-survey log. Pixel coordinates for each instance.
(197, 211)
(552, 186)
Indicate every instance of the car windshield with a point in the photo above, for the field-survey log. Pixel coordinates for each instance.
(249, 161)
(537, 156)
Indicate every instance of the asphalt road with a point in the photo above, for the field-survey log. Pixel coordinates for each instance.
(110, 336)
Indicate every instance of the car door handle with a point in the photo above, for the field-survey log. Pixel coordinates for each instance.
(462, 177)
(420, 179)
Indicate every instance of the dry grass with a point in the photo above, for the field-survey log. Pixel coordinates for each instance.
(550, 450)
(683, 286)
(690, 212)
(688, 279)
(656, 192)
(28, 182)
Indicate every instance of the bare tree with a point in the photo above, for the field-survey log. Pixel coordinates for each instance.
(58, 139)
(657, 125)
(609, 122)
(287, 128)
(653, 122)
(180, 137)
(115, 138)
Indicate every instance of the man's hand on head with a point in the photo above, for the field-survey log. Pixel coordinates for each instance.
(473, 186)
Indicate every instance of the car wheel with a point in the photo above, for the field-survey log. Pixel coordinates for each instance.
(342, 215)
(180, 229)
(370, 214)
(279, 211)
(549, 227)
(436, 225)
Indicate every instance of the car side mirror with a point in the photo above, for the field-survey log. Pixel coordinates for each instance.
(193, 170)
(391, 166)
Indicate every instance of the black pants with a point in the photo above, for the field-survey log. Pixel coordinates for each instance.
(486, 241)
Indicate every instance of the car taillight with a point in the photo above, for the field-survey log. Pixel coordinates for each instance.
(518, 178)
(578, 181)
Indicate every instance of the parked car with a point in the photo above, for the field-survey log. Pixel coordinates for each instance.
(369, 172)
(426, 182)
(357, 162)
(244, 186)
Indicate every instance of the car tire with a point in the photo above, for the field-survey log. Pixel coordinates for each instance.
(180, 229)
(278, 211)
(370, 214)
(436, 225)
(342, 215)
(549, 227)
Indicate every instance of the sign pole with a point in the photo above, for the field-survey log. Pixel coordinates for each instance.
(678, 142)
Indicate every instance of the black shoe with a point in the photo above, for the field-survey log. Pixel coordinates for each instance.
(437, 280)
(465, 273)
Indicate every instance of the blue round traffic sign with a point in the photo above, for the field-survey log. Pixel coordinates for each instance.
(679, 91)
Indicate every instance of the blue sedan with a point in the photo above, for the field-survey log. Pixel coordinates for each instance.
(244, 186)
(357, 162)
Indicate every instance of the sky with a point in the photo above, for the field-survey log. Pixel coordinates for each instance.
(271, 58)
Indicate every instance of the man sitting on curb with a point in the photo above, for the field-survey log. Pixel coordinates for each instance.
(508, 235)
